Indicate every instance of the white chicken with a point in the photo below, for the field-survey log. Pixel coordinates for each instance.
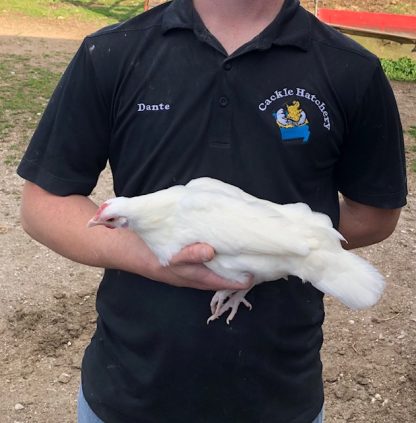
(250, 236)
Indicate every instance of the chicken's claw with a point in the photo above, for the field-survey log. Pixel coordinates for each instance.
(226, 299)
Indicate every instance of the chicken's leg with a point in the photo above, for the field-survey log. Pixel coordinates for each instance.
(220, 304)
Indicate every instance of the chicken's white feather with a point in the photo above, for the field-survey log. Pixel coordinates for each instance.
(250, 235)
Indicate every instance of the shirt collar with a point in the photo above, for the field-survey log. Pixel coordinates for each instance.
(291, 27)
(180, 14)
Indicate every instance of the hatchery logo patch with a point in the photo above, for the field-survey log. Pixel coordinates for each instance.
(293, 122)
(290, 116)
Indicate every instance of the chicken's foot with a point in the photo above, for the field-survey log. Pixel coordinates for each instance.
(226, 299)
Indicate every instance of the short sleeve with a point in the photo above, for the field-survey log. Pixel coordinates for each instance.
(69, 148)
(372, 168)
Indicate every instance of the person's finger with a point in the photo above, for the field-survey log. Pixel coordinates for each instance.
(216, 282)
(200, 277)
(195, 253)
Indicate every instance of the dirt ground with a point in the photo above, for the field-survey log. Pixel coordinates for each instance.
(47, 310)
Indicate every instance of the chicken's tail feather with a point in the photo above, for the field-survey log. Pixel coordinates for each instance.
(350, 279)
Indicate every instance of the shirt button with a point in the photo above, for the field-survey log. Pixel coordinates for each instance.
(227, 66)
(223, 101)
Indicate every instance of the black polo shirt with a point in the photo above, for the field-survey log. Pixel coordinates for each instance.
(297, 114)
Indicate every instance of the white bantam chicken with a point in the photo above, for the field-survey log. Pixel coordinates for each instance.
(250, 236)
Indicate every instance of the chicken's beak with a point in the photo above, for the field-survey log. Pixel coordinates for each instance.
(93, 222)
(120, 222)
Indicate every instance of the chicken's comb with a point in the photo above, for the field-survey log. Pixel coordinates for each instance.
(101, 208)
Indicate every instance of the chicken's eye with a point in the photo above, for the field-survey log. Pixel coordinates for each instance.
(111, 219)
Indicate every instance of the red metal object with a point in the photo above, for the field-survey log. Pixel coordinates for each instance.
(377, 22)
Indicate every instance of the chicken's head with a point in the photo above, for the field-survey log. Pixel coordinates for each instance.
(108, 215)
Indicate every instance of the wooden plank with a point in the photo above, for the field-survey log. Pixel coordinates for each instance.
(389, 23)
(387, 35)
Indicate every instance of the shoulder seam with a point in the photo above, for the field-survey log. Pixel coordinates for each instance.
(349, 50)
(117, 31)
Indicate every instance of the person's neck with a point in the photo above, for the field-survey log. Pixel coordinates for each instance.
(235, 22)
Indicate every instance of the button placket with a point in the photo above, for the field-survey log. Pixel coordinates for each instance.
(220, 136)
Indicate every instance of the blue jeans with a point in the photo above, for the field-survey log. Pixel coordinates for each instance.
(86, 415)
(320, 417)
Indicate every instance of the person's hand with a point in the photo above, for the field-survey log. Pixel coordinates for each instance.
(187, 269)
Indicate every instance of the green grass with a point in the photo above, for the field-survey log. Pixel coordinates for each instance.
(108, 11)
(413, 166)
(24, 87)
(24, 93)
(412, 132)
(412, 148)
(399, 8)
(403, 69)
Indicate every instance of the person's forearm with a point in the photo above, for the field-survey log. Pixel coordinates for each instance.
(363, 225)
(60, 223)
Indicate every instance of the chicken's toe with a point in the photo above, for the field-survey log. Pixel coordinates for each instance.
(226, 299)
(234, 307)
(217, 303)
(219, 298)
